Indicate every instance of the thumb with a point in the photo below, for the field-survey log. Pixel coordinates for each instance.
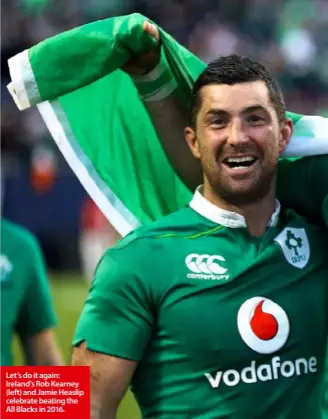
(151, 29)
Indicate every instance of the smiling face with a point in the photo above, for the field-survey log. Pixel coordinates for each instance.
(238, 139)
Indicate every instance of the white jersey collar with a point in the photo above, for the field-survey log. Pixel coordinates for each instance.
(224, 217)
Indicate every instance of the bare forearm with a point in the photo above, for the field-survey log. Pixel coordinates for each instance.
(159, 92)
(158, 89)
(169, 117)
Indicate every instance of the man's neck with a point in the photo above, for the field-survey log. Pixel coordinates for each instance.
(257, 214)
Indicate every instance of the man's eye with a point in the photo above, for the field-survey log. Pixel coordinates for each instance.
(219, 122)
(255, 118)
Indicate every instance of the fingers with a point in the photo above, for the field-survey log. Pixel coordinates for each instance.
(151, 30)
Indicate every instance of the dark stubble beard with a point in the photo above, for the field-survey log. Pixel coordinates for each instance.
(255, 193)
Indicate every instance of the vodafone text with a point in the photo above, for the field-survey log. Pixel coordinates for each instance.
(264, 372)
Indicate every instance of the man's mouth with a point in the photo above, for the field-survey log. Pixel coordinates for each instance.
(240, 163)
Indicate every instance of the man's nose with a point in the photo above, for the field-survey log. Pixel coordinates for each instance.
(237, 135)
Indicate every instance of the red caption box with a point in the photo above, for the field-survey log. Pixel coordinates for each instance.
(45, 392)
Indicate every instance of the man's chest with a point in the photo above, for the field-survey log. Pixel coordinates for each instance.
(229, 305)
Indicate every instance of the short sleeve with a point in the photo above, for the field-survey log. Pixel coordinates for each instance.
(37, 311)
(303, 186)
(117, 317)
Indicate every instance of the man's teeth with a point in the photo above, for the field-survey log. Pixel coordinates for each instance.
(239, 167)
(239, 163)
(240, 159)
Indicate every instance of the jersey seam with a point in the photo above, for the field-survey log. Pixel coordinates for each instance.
(193, 236)
(168, 235)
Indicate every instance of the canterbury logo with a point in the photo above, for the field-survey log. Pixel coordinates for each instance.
(206, 266)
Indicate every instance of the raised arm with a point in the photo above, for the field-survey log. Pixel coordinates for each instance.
(169, 115)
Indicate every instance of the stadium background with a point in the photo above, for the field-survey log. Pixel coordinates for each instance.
(40, 192)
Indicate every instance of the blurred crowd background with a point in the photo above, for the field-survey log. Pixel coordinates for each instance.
(39, 190)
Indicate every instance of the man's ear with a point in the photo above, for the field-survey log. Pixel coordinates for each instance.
(286, 132)
(191, 138)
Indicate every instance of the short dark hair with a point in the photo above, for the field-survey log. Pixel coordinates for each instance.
(233, 69)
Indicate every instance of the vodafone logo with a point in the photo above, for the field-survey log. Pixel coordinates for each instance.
(263, 325)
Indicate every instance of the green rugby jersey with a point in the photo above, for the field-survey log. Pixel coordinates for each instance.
(223, 324)
(26, 305)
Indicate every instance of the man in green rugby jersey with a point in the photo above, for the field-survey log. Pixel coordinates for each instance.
(26, 303)
(220, 309)
(170, 116)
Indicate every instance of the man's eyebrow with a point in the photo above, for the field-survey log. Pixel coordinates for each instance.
(248, 109)
(216, 112)
(254, 108)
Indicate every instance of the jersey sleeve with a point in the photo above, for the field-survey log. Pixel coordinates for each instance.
(302, 185)
(117, 317)
(309, 137)
(37, 311)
